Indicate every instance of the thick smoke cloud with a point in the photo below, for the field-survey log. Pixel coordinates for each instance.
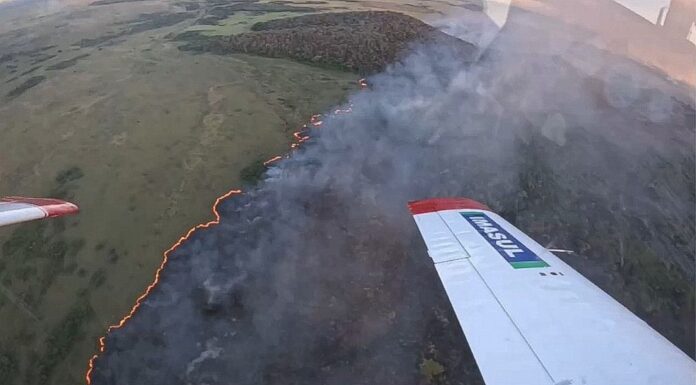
(318, 275)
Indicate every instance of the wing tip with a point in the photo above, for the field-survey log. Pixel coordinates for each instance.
(52, 207)
(439, 204)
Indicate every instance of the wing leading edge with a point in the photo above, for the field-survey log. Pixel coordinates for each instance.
(528, 317)
(21, 209)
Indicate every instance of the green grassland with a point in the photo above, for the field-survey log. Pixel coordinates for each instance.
(143, 137)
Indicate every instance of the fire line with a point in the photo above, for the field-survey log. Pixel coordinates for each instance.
(138, 302)
(300, 137)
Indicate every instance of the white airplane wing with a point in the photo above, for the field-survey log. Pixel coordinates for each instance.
(20, 209)
(529, 318)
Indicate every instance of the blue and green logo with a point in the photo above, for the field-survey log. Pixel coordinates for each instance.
(515, 252)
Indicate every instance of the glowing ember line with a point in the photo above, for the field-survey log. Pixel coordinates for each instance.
(274, 159)
(138, 302)
(316, 120)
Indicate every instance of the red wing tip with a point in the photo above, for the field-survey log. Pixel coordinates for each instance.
(439, 204)
(52, 207)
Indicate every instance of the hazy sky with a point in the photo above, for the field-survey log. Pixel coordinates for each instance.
(649, 9)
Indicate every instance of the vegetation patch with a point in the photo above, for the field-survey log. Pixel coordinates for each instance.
(253, 173)
(65, 183)
(28, 84)
(364, 42)
(37, 54)
(662, 284)
(66, 63)
(25, 239)
(98, 278)
(42, 59)
(62, 338)
(27, 72)
(216, 23)
(144, 22)
(68, 175)
(431, 370)
(8, 367)
(37, 255)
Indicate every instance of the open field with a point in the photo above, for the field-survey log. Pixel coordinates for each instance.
(233, 21)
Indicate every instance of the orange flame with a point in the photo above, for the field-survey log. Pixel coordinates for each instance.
(138, 302)
(274, 159)
(316, 120)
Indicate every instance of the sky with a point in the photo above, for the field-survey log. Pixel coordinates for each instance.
(649, 9)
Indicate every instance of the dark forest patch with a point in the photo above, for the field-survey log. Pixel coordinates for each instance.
(364, 42)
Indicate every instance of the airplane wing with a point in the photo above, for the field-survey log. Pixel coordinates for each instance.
(529, 318)
(20, 209)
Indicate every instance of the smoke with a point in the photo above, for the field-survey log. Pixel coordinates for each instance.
(318, 275)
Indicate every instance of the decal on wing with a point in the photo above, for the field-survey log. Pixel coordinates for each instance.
(515, 252)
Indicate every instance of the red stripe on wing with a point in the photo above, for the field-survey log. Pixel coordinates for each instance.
(439, 204)
(52, 207)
